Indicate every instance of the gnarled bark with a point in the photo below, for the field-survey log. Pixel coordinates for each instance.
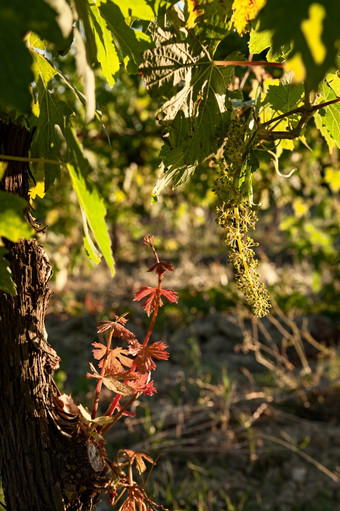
(46, 462)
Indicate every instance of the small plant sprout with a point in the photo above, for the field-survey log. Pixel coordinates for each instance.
(125, 369)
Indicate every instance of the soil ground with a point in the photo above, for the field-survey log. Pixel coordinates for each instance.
(247, 411)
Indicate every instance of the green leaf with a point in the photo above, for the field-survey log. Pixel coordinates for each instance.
(137, 8)
(17, 18)
(131, 43)
(101, 421)
(13, 224)
(312, 28)
(284, 97)
(83, 10)
(196, 113)
(6, 283)
(142, 9)
(327, 119)
(52, 115)
(260, 41)
(89, 200)
(176, 172)
(90, 247)
(106, 50)
(208, 21)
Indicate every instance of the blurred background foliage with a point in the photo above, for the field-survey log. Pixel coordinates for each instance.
(211, 416)
(299, 215)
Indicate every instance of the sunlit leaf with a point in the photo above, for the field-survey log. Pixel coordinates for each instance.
(13, 224)
(195, 112)
(17, 18)
(52, 114)
(106, 50)
(131, 43)
(100, 421)
(284, 97)
(245, 11)
(328, 119)
(311, 28)
(88, 197)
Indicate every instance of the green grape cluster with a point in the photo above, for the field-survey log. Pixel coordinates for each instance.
(236, 217)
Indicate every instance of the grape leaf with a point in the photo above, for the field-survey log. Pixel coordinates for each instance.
(161, 267)
(52, 114)
(88, 197)
(284, 97)
(6, 283)
(208, 20)
(131, 43)
(195, 113)
(118, 386)
(142, 384)
(112, 382)
(137, 458)
(141, 8)
(312, 30)
(260, 41)
(13, 224)
(84, 12)
(106, 50)
(17, 18)
(328, 119)
(85, 415)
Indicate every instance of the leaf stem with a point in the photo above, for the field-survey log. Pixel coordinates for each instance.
(31, 160)
(100, 380)
(120, 413)
(251, 63)
(302, 110)
(117, 398)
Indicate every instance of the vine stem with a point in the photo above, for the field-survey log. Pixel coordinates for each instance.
(100, 380)
(31, 160)
(247, 63)
(118, 397)
(302, 110)
(119, 414)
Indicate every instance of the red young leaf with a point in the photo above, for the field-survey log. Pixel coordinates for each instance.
(99, 350)
(143, 385)
(144, 362)
(171, 296)
(150, 303)
(148, 239)
(134, 347)
(118, 329)
(153, 295)
(137, 458)
(112, 382)
(116, 359)
(161, 267)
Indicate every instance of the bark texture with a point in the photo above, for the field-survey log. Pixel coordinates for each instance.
(46, 461)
